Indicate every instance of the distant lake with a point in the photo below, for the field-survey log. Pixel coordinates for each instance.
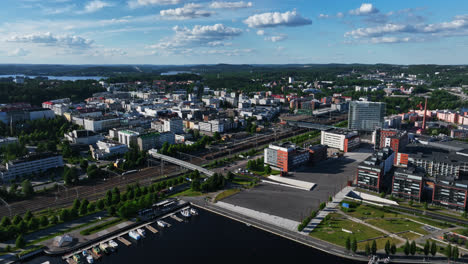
(60, 78)
(176, 72)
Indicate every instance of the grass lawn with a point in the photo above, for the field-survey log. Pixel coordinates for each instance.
(226, 194)
(409, 235)
(188, 193)
(397, 225)
(331, 230)
(380, 243)
(365, 211)
(100, 227)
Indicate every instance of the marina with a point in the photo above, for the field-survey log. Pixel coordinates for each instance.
(203, 234)
(109, 245)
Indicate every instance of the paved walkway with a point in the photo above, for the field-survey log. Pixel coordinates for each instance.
(330, 208)
(271, 219)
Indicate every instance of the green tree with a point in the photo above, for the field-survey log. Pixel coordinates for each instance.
(413, 248)
(410, 203)
(267, 169)
(20, 243)
(348, 243)
(455, 253)
(374, 247)
(367, 249)
(54, 220)
(393, 249)
(425, 205)
(354, 245)
(76, 204)
(27, 188)
(387, 247)
(216, 136)
(406, 248)
(427, 248)
(100, 204)
(433, 248)
(27, 216)
(5, 221)
(448, 251)
(44, 221)
(17, 219)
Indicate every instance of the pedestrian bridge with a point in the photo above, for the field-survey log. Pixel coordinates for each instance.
(309, 125)
(154, 153)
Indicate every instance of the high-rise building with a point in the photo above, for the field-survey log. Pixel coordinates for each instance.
(366, 116)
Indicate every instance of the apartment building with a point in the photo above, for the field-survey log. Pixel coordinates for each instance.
(30, 164)
(372, 173)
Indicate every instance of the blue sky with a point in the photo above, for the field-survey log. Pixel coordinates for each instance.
(231, 31)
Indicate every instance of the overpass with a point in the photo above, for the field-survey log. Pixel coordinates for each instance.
(179, 162)
(309, 125)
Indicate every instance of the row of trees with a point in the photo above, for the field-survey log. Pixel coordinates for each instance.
(124, 205)
(14, 193)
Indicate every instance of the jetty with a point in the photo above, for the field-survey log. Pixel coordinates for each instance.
(152, 229)
(175, 217)
(124, 241)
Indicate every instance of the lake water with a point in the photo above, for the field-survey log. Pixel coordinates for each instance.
(61, 78)
(209, 238)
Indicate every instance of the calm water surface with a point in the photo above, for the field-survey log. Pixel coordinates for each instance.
(210, 238)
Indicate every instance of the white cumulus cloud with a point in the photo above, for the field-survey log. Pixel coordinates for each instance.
(364, 9)
(231, 5)
(95, 5)
(289, 19)
(198, 36)
(141, 3)
(276, 38)
(49, 39)
(261, 32)
(188, 11)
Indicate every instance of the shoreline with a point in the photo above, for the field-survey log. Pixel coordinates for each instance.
(314, 243)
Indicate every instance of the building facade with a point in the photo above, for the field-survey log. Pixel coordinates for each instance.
(285, 156)
(366, 116)
(30, 165)
(340, 139)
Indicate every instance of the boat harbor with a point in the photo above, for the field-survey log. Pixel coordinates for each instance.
(101, 247)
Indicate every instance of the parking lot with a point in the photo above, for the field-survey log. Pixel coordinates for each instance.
(330, 176)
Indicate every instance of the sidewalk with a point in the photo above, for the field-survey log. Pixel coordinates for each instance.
(330, 208)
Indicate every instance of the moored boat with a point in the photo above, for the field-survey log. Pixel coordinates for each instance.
(134, 234)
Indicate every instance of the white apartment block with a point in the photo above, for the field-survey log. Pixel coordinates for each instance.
(174, 125)
(30, 164)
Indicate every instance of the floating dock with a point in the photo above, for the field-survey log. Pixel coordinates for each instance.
(152, 229)
(124, 241)
(175, 217)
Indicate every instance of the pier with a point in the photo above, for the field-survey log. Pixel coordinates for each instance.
(175, 217)
(152, 229)
(124, 241)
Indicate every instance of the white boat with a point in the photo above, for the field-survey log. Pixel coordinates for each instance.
(113, 244)
(141, 232)
(104, 247)
(185, 213)
(193, 211)
(134, 234)
(90, 259)
(161, 223)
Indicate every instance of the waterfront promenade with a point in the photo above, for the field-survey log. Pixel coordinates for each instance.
(301, 237)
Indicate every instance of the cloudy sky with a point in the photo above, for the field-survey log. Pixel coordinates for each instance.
(230, 31)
